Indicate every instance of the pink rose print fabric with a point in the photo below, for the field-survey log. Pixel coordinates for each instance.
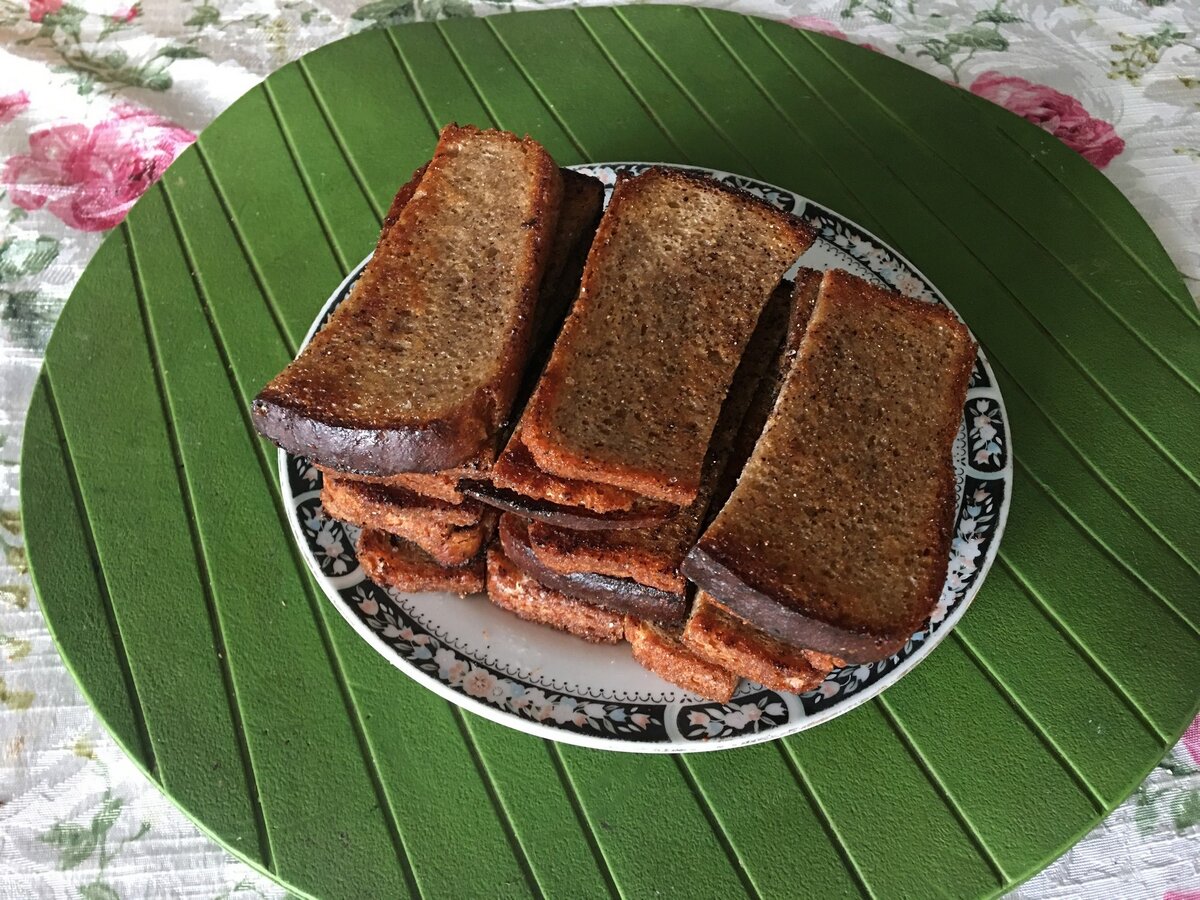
(1058, 113)
(39, 9)
(1191, 742)
(11, 106)
(90, 176)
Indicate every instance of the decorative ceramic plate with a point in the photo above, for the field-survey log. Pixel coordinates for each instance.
(550, 684)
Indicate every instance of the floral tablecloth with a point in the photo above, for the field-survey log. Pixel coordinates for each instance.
(97, 97)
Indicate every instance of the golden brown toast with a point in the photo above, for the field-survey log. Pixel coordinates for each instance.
(715, 634)
(392, 562)
(441, 486)
(660, 650)
(451, 535)
(678, 273)
(837, 535)
(509, 588)
(417, 369)
(652, 556)
(517, 485)
(515, 470)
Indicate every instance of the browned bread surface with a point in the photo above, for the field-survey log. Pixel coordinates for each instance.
(451, 535)
(677, 276)
(796, 315)
(652, 555)
(511, 589)
(661, 651)
(619, 594)
(515, 470)
(392, 562)
(417, 369)
(362, 500)
(715, 634)
(434, 485)
(837, 535)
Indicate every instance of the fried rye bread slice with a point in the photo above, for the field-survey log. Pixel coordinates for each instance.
(582, 202)
(716, 635)
(661, 651)
(511, 589)
(655, 648)
(417, 370)
(652, 556)
(678, 274)
(450, 534)
(392, 562)
(517, 485)
(836, 537)
(620, 595)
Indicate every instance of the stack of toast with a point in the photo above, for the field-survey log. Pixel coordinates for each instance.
(630, 426)
(411, 384)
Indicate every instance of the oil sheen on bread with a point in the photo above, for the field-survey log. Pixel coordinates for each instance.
(443, 308)
(836, 538)
(678, 274)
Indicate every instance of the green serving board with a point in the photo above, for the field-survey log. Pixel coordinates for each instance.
(165, 565)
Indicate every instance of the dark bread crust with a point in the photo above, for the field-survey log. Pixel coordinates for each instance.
(662, 652)
(715, 634)
(394, 563)
(804, 606)
(578, 517)
(401, 200)
(509, 588)
(622, 595)
(310, 410)
(557, 454)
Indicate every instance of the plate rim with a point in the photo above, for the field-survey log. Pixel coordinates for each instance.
(600, 741)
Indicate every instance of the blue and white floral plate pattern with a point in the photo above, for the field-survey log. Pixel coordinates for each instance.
(549, 684)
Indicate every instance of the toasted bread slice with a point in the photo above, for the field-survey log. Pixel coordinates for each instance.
(441, 486)
(622, 595)
(837, 535)
(679, 272)
(369, 505)
(392, 562)
(443, 310)
(515, 470)
(509, 588)
(451, 535)
(715, 634)
(580, 210)
(652, 556)
(661, 651)
(517, 485)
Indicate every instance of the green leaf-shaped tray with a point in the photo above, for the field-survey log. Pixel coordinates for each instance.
(165, 565)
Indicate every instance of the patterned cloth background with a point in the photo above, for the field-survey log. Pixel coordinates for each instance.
(97, 97)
